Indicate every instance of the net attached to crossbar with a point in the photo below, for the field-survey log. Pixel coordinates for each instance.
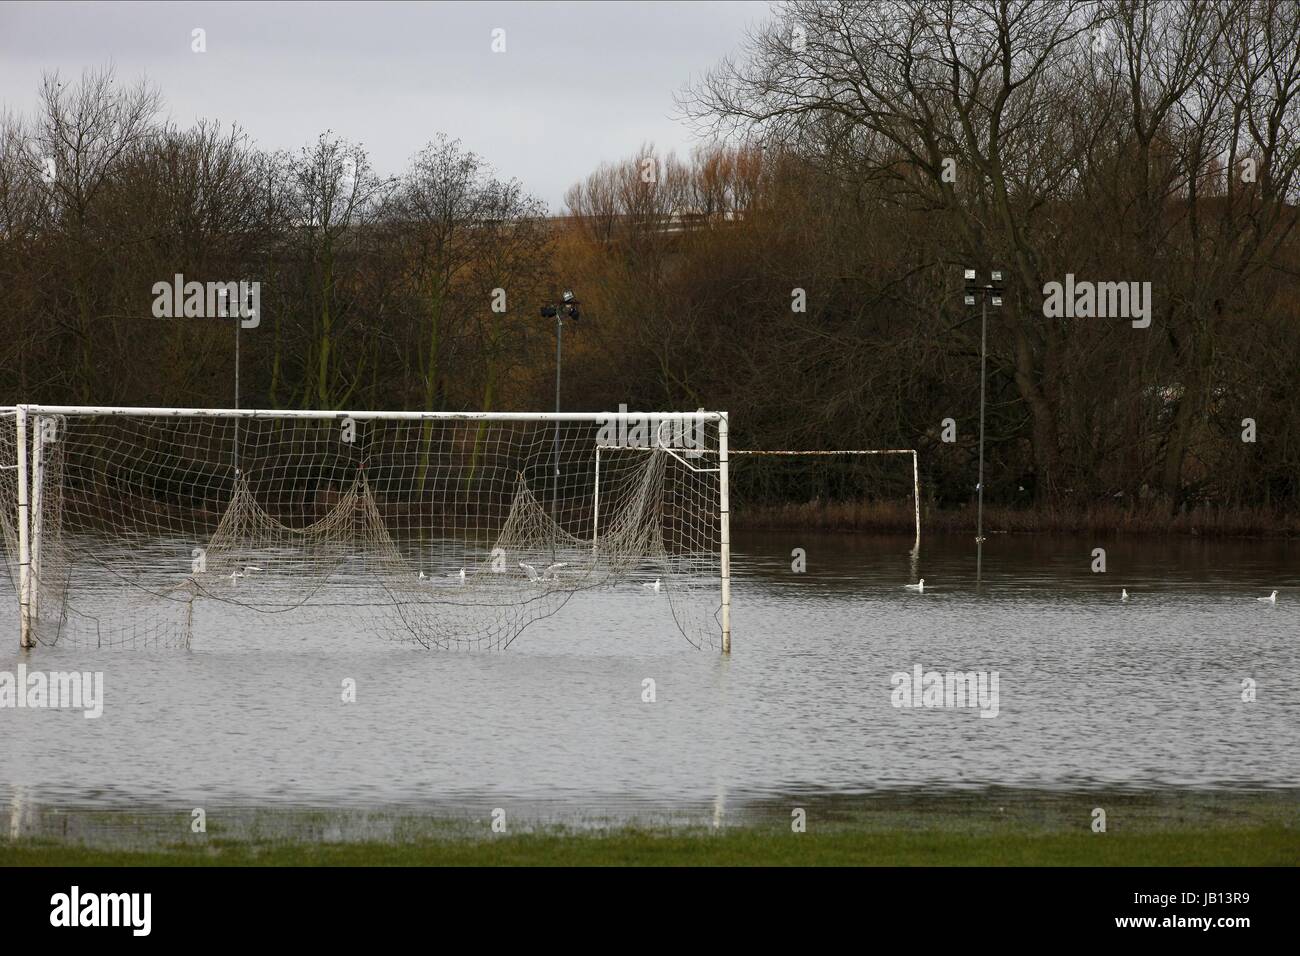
(450, 532)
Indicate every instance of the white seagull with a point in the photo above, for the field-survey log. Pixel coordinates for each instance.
(461, 575)
(532, 571)
(919, 586)
(653, 587)
(1271, 599)
(1123, 594)
(552, 573)
(423, 576)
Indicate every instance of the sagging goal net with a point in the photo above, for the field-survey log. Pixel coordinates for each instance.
(126, 527)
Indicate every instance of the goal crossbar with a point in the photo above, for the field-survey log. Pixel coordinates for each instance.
(362, 415)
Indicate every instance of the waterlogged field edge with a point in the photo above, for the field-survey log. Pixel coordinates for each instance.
(984, 827)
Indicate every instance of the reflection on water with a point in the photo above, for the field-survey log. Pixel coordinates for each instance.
(1093, 692)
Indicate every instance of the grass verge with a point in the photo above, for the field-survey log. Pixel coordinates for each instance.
(1264, 846)
(911, 828)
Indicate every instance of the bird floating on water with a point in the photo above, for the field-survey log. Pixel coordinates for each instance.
(458, 574)
(919, 586)
(653, 587)
(1123, 594)
(1271, 599)
(423, 576)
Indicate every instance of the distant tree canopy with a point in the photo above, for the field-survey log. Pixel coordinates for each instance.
(376, 292)
(1115, 141)
(801, 269)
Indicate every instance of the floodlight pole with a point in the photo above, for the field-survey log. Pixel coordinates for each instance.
(568, 304)
(559, 353)
(992, 290)
(239, 322)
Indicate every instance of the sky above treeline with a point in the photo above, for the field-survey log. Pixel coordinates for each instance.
(577, 84)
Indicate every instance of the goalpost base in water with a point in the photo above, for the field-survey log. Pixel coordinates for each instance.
(448, 529)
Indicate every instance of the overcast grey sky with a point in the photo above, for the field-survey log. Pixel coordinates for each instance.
(578, 83)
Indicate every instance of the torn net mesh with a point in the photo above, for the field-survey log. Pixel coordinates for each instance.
(448, 533)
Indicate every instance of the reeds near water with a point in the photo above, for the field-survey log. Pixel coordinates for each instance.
(1097, 517)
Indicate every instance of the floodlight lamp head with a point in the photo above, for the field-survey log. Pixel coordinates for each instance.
(996, 300)
(970, 299)
(568, 297)
(970, 275)
(997, 275)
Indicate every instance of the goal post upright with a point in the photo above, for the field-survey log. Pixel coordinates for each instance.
(24, 540)
(724, 531)
(35, 500)
(595, 506)
(916, 498)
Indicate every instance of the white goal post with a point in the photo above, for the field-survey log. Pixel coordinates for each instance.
(138, 526)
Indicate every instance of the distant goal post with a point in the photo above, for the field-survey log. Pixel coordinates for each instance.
(448, 529)
(796, 453)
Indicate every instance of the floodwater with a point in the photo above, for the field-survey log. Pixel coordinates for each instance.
(1092, 691)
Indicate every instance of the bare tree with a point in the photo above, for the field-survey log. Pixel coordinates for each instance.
(84, 131)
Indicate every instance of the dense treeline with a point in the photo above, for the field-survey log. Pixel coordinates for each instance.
(806, 274)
